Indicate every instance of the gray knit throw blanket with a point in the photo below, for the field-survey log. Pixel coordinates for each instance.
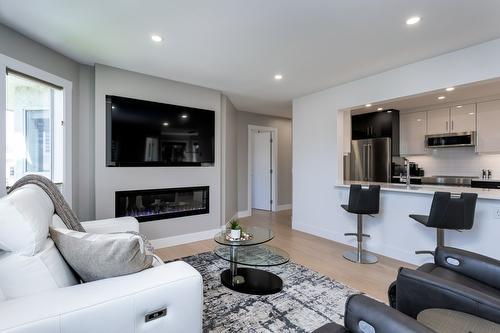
(60, 205)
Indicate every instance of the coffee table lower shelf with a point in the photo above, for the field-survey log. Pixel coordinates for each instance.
(252, 281)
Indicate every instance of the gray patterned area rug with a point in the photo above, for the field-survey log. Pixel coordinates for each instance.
(308, 300)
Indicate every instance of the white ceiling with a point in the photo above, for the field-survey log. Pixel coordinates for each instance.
(236, 46)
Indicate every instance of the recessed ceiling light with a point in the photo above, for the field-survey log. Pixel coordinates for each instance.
(441, 97)
(278, 77)
(419, 119)
(459, 106)
(413, 20)
(471, 113)
(156, 38)
(368, 105)
(165, 124)
(450, 88)
(380, 109)
(389, 111)
(184, 116)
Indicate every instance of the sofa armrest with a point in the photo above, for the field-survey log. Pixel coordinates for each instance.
(106, 226)
(417, 291)
(113, 305)
(473, 265)
(363, 311)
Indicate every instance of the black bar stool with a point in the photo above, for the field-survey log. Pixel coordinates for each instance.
(453, 212)
(362, 201)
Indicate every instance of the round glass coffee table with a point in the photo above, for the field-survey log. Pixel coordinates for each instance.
(252, 252)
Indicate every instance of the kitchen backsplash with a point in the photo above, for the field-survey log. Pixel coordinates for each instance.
(457, 162)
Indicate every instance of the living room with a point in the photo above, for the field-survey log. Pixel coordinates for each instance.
(192, 171)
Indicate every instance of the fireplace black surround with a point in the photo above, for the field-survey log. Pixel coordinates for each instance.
(159, 204)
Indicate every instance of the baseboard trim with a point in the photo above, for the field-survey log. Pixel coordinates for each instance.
(283, 207)
(183, 239)
(244, 213)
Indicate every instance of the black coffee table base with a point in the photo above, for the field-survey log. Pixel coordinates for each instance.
(252, 281)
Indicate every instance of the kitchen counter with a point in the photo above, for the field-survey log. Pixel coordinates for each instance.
(483, 193)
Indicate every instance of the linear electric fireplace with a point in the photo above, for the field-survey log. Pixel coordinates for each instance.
(159, 204)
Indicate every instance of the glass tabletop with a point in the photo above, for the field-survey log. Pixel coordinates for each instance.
(259, 236)
(259, 255)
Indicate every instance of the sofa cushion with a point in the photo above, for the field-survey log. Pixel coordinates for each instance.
(101, 256)
(25, 275)
(25, 215)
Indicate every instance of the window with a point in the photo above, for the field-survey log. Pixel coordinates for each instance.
(34, 128)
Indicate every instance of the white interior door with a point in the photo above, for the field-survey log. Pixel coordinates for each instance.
(261, 170)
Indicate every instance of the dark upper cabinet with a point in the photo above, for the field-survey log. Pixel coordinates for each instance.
(380, 124)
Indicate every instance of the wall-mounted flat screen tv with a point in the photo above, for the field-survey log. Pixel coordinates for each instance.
(143, 133)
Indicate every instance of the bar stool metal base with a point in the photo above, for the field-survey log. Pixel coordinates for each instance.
(439, 242)
(365, 258)
(360, 256)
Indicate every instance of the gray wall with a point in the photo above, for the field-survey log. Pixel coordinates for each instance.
(229, 151)
(114, 81)
(21, 48)
(233, 129)
(86, 142)
(284, 127)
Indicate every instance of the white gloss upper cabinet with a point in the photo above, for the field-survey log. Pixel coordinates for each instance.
(412, 133)
(488, 127)
(463, 118)
(456, 119)
(438, 121)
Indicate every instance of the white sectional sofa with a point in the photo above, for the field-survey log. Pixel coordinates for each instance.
(39, 293)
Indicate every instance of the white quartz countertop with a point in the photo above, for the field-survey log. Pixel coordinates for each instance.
(483, 193)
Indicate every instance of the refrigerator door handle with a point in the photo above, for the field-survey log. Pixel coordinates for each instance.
(365, 162)
(370, 162)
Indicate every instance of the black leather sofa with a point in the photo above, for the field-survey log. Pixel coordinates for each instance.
(457, 280)
(363, 315)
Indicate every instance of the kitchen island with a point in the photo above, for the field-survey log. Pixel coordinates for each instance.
(394, 233)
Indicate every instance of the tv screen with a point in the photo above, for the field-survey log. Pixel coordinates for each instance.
(143, 133)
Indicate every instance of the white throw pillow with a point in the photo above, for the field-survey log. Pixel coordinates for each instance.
(25, 215)
(101, 256)
(26, 275)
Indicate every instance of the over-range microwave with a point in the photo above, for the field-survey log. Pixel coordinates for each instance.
(464, 139)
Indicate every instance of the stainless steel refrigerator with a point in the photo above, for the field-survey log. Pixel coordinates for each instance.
(370, 160)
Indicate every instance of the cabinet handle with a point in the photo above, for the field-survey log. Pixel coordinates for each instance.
(447, 126)
(452, 125)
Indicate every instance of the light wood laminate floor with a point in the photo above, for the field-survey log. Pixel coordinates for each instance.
(318, 254)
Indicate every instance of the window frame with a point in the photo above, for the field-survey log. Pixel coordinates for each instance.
(18, 66)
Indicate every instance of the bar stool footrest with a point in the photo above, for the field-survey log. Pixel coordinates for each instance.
(355, 234)
(425, 252)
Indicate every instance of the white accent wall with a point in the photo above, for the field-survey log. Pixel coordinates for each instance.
(113, 81)
(317, 156)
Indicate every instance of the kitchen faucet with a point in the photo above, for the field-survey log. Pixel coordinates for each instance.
(407, 166)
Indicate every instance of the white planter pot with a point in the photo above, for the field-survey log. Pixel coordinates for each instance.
(235, 234)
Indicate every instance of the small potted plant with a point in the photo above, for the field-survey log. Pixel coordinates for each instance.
(235, 229)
